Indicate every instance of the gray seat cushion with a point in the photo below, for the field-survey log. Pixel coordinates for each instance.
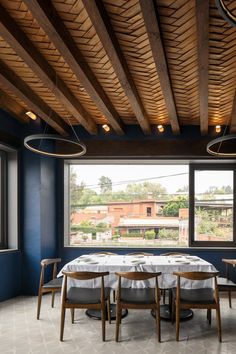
(224, 282)
(86, 295)
(54, 283)
(138, 296)
(196, 296)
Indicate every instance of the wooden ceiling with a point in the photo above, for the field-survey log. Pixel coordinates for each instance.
(120, 62)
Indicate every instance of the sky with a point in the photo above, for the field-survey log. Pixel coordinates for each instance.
(90, 174)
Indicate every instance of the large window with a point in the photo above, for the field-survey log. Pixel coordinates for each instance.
(212, 203)
(136, 205)
(149, 205)
(8, 198)
(2, 199)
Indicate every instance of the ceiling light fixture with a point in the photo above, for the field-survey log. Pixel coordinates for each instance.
(31, 115)
(160, 128)
(54, 145)
(225, 12)
(218, 128)
(224, 146)
(106, 128)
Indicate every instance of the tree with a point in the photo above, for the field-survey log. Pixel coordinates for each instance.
(76, 190)
(145, 190)
(105, 184)
(172, 207)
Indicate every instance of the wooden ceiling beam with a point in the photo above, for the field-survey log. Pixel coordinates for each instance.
(149, 13)
(21, 44)
(105, 32)
(233, 116)
(49, 20)
(14, 108)
(202, 18)
(17, 86)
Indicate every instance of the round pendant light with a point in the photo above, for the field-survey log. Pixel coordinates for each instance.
(225, 12)
(54, 145)
(224, 146)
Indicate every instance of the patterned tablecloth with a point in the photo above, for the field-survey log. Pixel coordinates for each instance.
(115, 263)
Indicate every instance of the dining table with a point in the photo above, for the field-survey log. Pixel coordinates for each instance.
(167, 265)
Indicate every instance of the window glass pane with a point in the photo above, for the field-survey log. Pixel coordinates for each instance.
(128, 205)
(213, 205)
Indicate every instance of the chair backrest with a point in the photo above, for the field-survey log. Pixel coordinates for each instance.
(105, 253)
(137, 276)
(174, 254)
(44, 264)
(83, 276)
(228, 263)
(139, 254)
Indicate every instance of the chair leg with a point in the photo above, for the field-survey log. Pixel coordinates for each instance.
(63, 311)
(177, 321)
(218, 323)
(164, 296)
(114, 295)
(103, 311)
(209, 316)
(53, 298)
(39, 304)
(109, 310)
(173, 309)
(72, 311)
(117, 322)
(230, 301)
(158, 322)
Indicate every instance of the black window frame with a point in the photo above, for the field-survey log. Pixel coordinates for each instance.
(209, 167)
(3, 201)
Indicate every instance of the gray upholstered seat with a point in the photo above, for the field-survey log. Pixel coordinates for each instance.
(197, 296)
(137, 296)
(86, 295)
(56, 283)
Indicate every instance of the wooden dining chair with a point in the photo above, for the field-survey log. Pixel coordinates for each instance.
(139, 254)
(202, 298)
(225, 284)
(132, 298)
(85, 298)
(52, 286)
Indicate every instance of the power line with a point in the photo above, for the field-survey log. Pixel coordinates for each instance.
(136, 180)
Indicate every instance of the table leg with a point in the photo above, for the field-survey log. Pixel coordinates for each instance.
(96, 314)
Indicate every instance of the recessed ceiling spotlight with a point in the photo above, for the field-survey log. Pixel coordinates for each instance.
(218, 128)
(31, 115)
(106, 127)
(160, 128)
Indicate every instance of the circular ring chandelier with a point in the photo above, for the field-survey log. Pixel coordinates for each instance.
(225, 12)
(60, 146)
(211, 146)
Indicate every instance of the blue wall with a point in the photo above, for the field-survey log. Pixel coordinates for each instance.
(37, 236)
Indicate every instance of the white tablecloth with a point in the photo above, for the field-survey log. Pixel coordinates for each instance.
(115, 263)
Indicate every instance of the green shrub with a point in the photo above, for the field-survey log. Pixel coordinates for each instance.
(150, 235)
(168, 234)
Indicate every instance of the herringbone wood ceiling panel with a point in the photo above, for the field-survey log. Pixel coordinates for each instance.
(128, 24)
(82, 31)
(222, 71)
(177, 21)
(18, 10)
(14, 62)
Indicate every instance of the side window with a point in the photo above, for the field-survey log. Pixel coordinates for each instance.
(212, 205)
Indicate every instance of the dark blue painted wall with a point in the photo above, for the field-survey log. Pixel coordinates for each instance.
(37, 237)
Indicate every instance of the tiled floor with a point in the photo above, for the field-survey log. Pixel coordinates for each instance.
(21, 333)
